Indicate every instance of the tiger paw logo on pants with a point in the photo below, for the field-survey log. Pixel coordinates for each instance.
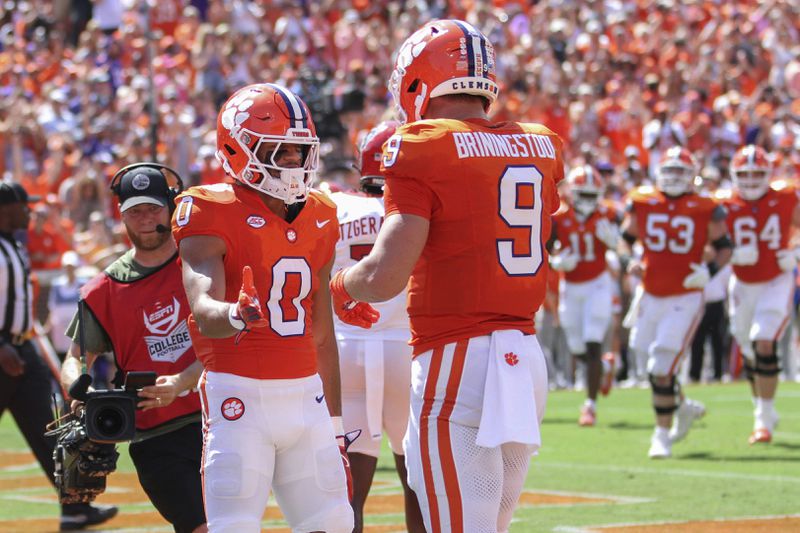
(511, 358)
(232, 409)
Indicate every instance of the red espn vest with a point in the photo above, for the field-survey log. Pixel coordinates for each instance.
(146, 322)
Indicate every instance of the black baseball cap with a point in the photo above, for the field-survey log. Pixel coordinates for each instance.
(14, 193)
(7, 194)
(22, 194)
(143, 185)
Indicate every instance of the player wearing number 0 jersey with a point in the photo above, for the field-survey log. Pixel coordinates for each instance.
(271, 379)
(376, 363)
(585, 228)
(674, 225)
(760, 219)
(468, 210)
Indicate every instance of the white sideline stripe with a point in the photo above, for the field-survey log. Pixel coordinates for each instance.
(20, 467)
(665, 471)
(613, 497)
(598, 528)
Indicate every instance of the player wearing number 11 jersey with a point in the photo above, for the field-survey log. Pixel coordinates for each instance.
(760, 218)
(674, 225)
(271, 379)
(468, 210)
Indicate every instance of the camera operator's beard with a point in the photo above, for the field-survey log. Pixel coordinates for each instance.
(149, 242)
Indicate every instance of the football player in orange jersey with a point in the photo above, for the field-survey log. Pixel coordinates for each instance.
(674, 225)
(468, 208)
(760, 219)
(271, 379)
(585, 228)
(376, 363)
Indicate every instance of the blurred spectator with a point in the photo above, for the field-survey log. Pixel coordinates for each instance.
(63, 301)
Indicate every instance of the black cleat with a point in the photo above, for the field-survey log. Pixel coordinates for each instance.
(77, 516)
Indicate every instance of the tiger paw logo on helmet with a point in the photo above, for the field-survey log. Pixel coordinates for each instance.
(443, 57)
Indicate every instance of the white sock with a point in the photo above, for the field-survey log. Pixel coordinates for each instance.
(767, 406)
(662, 432)
(589, 403)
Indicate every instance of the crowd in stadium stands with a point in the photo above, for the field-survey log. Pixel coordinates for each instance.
(619, 80)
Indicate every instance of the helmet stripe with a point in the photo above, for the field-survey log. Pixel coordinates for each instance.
(469, 37)
(297, 114)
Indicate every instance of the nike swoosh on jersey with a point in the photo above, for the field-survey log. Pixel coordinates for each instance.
(319, 398)
(321, 223)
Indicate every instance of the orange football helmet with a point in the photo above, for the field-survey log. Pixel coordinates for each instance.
(443, 57)
(676, 171)
(751, 172)
(586, 188)
(265, 113)
(370, 152)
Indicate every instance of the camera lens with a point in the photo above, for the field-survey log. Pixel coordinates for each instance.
(109, 421)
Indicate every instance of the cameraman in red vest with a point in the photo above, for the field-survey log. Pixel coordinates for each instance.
(137, 309)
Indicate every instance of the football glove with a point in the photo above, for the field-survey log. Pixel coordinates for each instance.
(344, 440)
(349, 310)
(246, 313)
(698, 278)
(787, 259)
(744, 256)
(607, 232)
(566, 261)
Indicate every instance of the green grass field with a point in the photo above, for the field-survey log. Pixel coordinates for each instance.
(602, 474)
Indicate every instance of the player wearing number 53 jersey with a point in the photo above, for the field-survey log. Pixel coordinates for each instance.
(760, 218)
(271, 379)
(674, 225)
(468, 208)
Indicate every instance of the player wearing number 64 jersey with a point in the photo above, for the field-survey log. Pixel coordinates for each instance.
(760, 218)
(674, 225)
(468, 210)
(257, 257)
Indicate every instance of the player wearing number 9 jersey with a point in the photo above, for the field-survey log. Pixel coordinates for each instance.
(468, 208)
(760, 217)
(674, 225)
(271, 379)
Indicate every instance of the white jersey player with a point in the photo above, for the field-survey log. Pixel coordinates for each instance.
(375, 363)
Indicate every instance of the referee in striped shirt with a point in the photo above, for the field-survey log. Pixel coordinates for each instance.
(25, 381)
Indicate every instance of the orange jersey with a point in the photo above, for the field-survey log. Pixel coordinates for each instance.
(488, 190)
(765, 222)
(578, 235)
(286, 259)
(674, 232)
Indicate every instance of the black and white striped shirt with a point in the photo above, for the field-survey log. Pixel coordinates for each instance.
(16, 291)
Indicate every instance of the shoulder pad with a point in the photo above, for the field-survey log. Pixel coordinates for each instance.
(641, 193)
(221, 193)
(539, 129)
(723, 194)
(563, 209)
(780, 185)
(323, 198)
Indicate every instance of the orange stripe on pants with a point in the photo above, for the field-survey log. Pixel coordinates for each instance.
(451, 488)
(427, 407)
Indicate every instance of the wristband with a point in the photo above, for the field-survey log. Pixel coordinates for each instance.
(338, 426)
(337, 286)
(234, 318)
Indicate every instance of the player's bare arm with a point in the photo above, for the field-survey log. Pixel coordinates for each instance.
(71, 367)
(325, 340)
(385, 271)
(204, 281)
(630, 234)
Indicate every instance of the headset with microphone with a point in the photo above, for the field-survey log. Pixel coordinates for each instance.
(171, 193)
